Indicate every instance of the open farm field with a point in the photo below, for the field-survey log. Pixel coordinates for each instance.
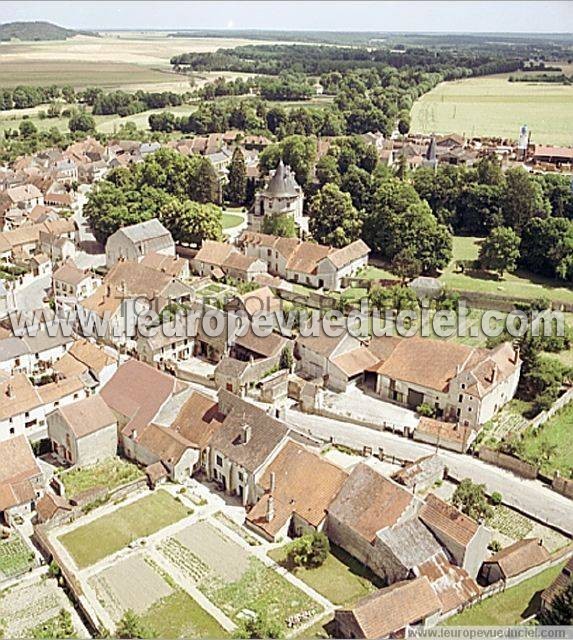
(133, 62)
(490, 105)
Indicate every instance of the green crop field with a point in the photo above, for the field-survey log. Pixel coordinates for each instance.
(491, 105)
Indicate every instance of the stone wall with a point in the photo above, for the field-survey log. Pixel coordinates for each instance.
(505, 461)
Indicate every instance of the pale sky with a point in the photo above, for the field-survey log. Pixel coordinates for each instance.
(517, 16)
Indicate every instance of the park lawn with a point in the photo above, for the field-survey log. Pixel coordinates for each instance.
(110, 474)
(341, 579)
(520, 284)
(493, 106)
(107, 534)
(556, 432)
(231, 220)
(15, 557)
(509, 607)
(377, 273)
(179, 616)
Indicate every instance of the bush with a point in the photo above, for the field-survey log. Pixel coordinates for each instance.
(310, 551)
(494, 545)
(496, 498)
(426, 410)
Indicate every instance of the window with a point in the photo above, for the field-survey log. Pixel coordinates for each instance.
(463, 385)
(219, 461)
(12, 431)
(460, 398)
(240, 476)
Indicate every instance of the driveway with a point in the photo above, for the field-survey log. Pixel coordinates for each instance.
(530, 496)
(364, 408)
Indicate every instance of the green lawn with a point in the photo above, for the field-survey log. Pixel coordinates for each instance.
(552, 445)
(377, 273)
(107, 534)
(231, 220)
(341, 579)
(110, 474)
(520, 284)
(15, 557)
(492, 106)
(179, 616)
(509, 607)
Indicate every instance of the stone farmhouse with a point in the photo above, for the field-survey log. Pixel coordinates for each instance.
(83, 433)
(219, 259)
(463, 384)
(136, 241)
(307, 263)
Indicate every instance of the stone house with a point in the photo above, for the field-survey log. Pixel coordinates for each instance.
(135, 393)
(465, 539)
(294, 493)
(367, 503)
(171, 265)
(167, 343)
(179, 436)
(338, 360)
(389, 612)
(23, 407)
(83, 433)
(210, 258)
(463, 384)
(136, 241)
(88, 361)
(241, 267)
(21, 479)
(246, 442)
(71, 284)
(26, 196)
(306, 263)
(57, 248)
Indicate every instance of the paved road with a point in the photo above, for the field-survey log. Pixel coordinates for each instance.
(530, 496)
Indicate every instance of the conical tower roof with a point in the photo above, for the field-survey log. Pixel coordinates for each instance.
(283, 183)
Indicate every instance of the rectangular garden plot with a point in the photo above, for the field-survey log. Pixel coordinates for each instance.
(235, 580)
(164, 608)
(91, 542)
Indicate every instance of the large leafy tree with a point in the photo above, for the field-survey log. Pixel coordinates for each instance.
(547, 247)
(280, 225)
(298, 151)
(561, 611)
(333, 218)
(499, 252)
(236, 189)
(399, 219)
(167, 185)
(131, 626)
(522, 199)
(192, 222)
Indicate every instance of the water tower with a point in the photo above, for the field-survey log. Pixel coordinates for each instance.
(523, 142)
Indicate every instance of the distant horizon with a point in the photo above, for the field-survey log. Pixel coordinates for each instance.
(478, 17)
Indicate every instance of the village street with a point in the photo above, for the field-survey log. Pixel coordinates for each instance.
(530, 496)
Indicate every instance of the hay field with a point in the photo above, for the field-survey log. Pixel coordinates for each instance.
(491, 105)
(137, 61)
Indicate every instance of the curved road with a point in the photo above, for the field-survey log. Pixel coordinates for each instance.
(530, 496)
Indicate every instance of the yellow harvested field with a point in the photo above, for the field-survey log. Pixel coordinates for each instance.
(131, 61)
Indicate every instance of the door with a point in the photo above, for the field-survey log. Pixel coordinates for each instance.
(415, 398)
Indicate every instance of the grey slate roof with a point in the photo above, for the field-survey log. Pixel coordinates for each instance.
(148, 230)
(282, 184)
(12, 348)
(411, 542)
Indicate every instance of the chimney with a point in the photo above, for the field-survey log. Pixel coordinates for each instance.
(247, 432)
(270, 509)
(273, 480)
(9, 391)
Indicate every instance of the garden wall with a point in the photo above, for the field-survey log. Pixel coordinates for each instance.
(564, 486)
(542, 418)
(505, 461)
